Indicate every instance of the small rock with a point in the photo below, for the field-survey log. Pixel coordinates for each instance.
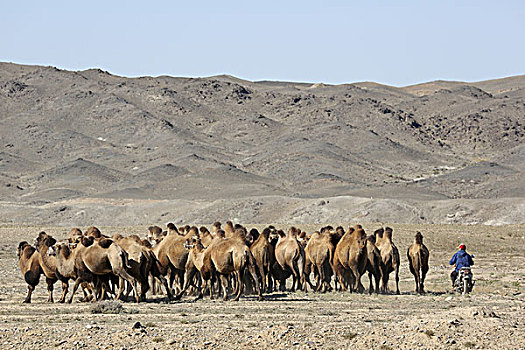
(448, 298)
(171, 341)
(138, 325)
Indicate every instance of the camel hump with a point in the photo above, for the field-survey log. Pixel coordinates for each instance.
(87, 241)
(105, 243)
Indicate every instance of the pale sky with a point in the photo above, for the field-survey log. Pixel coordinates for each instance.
(392, 42)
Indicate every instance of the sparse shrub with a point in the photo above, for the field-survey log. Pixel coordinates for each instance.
(469, 344)
(150, 324)
(158, 340)
(107, 307)
(429, 333)
(349, 335)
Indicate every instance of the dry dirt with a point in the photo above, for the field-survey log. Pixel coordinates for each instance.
(493, 316)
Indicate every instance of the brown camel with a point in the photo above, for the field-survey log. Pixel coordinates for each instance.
(375, 266)
(232, 256)
(390, 256)
(101, 258)
(30, 267)
(262, 253)
(140, 261)
(195, 268)
(65, 254)
(171, 254)
(48, 263)
(350, 259)
(418, 255)
(289, 253)
(319, 253)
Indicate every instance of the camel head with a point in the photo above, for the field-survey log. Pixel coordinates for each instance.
(74, 235)
(44, 240)
(419, 238)
(21, 247)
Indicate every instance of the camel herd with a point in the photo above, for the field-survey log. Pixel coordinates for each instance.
(227, 260)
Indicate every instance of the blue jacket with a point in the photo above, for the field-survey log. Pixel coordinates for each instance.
(461, 259)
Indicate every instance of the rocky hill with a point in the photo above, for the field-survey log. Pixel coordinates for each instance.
(88, 147)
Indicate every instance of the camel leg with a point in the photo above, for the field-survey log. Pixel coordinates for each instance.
(239, 276)
(397, 280)
(133, 284)
(30, 290)
(224, 283)
(50, 282)
(370, 286)
(377, 278)
(65, 287)
(190, 274)
(75, 287)
(251, 268)
(416, 276)
(423, 275)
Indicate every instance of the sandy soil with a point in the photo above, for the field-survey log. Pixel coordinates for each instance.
(493, 316)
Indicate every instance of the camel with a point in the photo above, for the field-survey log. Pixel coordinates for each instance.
(101, 258)
(390, 256)
(231, 256)
(277, 273)
(140, 260)
(319, 253)
(30, 267)
(375, 266)
(262, 253)
(418, 255)
(289, 253)
(172, 255)
(66, 254)
(350, 259)
(48, 263)
(194, 265)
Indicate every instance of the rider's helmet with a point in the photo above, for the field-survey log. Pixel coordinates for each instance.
(462, 246)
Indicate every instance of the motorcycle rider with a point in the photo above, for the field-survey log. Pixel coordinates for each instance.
(461, 259)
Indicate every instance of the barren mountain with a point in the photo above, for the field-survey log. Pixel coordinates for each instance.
(89, 147)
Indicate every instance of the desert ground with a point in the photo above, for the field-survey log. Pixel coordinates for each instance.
(493, 316)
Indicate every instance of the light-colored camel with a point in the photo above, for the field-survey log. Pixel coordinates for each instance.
(48, 263)
(390, 256)
(418, 255)
(319, 254)
(29, 263)
(350, 259)
(289, 253)
(66, 254)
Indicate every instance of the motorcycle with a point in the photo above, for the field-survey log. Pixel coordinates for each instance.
(465, 281)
